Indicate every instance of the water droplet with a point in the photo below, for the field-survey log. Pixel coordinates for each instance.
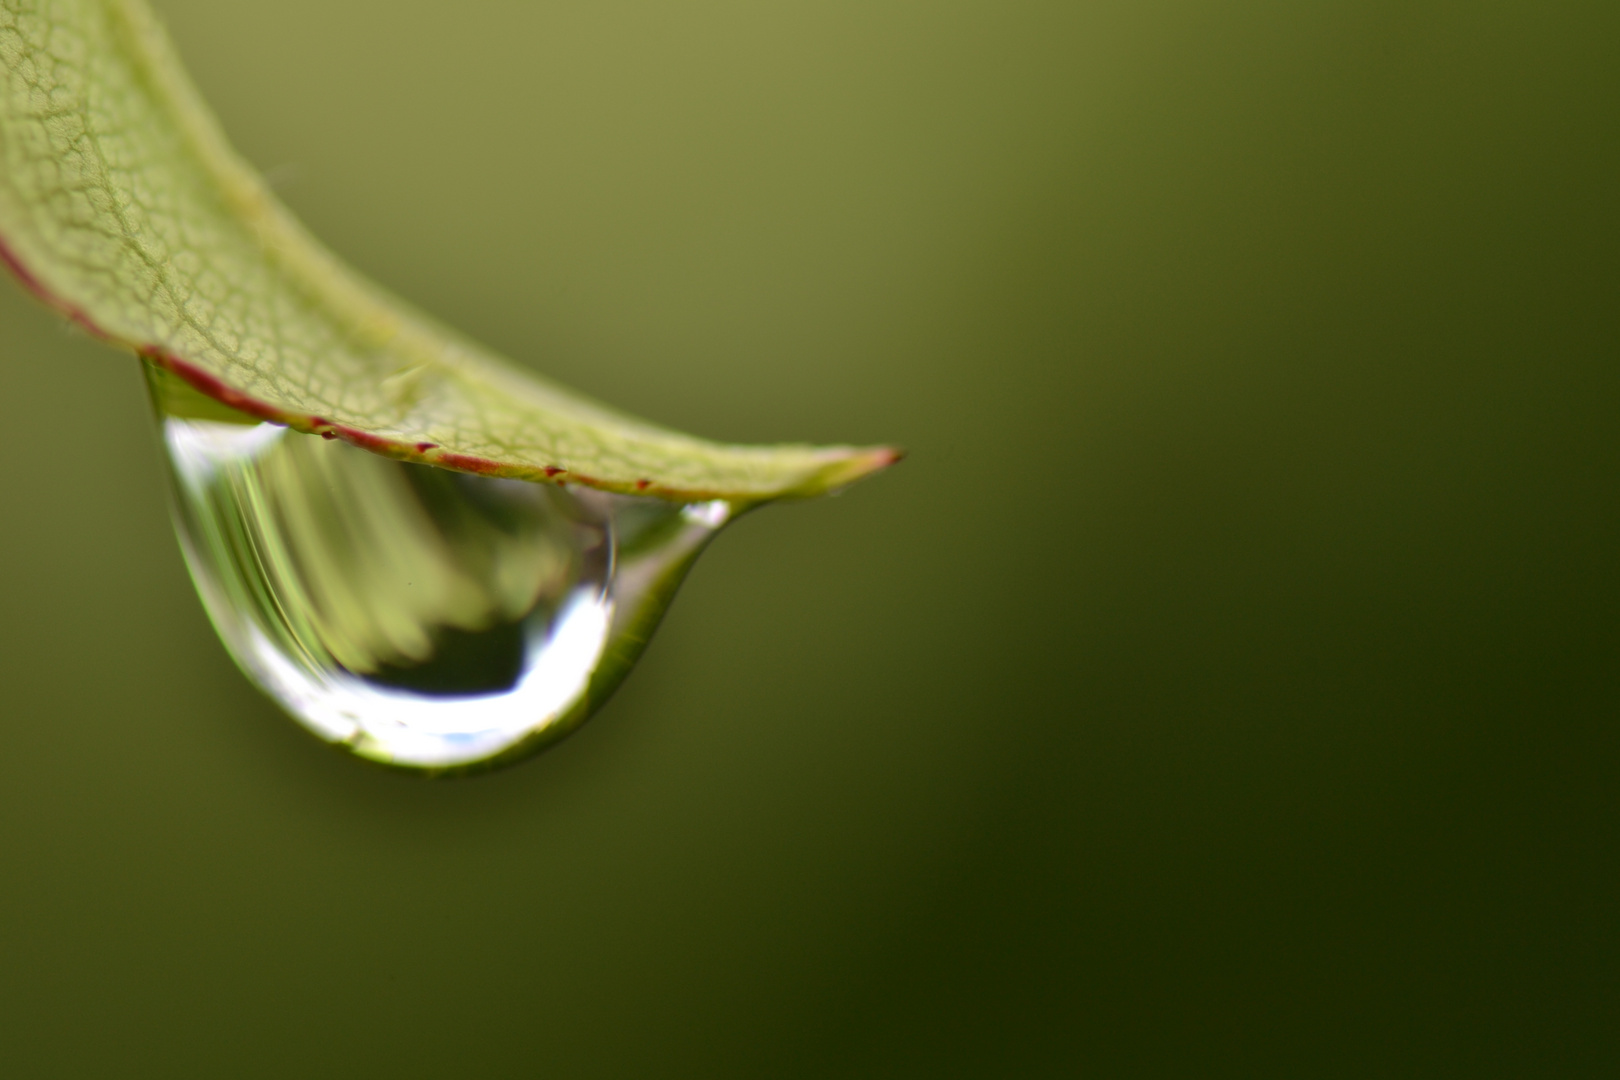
(419, 617)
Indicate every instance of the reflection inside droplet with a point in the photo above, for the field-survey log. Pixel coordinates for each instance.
(420, 617)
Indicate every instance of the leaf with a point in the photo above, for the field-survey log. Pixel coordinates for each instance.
(123, 206)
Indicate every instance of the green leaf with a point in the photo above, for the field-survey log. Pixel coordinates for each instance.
(122, 205)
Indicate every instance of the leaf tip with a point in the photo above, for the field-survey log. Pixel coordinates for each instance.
(849, 464)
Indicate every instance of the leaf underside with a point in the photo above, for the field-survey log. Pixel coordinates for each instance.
(123, 206)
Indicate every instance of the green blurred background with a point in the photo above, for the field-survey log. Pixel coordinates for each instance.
(1226, 686)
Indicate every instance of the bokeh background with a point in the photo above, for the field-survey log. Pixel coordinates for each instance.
(1226, 686)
